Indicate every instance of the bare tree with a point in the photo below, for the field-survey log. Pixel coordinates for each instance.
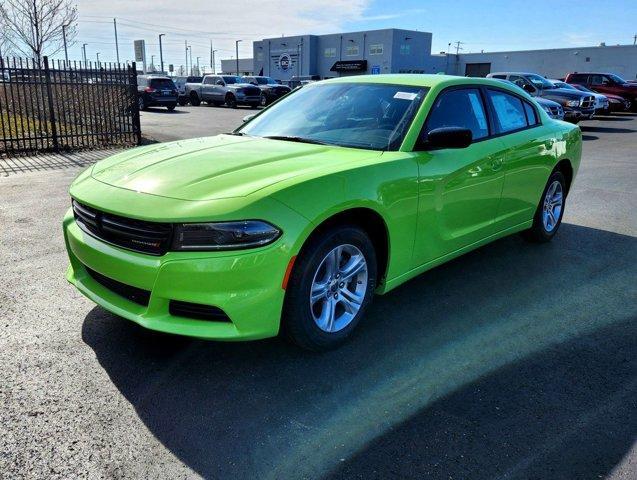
(35, 28)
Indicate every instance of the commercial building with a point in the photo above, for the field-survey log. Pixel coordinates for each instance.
(552, 63)
(229, 67)
(409, 51)
(325, 56)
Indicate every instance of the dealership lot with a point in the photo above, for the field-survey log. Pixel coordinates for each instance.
(515, 361)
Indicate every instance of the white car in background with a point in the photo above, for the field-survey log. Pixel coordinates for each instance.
(602, 104)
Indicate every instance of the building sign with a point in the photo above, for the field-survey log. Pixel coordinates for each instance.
(140, 53)
(285, 61)
(349, 66)
(375, 69)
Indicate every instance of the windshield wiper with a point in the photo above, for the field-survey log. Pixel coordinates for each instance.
(292, 138)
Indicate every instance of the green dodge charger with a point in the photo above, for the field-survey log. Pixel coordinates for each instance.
(343, 189)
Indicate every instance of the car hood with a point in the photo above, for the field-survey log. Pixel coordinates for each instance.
(563, 93)
(239, 85)
(547, 102)
(219, 167)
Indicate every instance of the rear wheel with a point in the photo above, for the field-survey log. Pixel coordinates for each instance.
(548, 216)
(141, 103)
(182, 101)
(330, 287)
(195, 101)
(264, 100)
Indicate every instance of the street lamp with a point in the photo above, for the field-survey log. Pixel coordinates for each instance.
(152, 61)
(213, 62)
(198, 65)
(98, 58)
(84, 54)
(236, 47)
(161, 53)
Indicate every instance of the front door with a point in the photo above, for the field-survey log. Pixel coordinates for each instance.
(459, 189)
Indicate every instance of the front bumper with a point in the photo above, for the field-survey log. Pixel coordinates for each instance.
(248, 99)
(246, 285)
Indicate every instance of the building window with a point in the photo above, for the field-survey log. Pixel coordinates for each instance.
(588, 59)
(330, 52)
(376, 49)
(405, 49)
(351, 50)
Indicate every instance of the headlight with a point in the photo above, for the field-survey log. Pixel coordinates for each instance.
(224, 235)
(613, 100)
(572, 103)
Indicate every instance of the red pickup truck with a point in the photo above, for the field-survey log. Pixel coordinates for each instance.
(606, 83)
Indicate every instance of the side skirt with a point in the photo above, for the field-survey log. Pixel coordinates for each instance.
(395, 282)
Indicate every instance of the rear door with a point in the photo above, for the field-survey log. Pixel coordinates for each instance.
(529, 156)
(459, 189)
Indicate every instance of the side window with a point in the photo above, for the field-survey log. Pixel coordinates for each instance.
(597, 79)
(459, 108)
(531, 115)
(509, 111)
(501, 77)
(207, 80)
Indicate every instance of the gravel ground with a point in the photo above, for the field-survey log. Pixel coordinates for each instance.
(514, 361)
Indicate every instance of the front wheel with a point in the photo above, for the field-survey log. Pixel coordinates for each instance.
(195, 101)
(170, 108)
(231, 101)
(331, 286)
(548, 216)
(141, 103)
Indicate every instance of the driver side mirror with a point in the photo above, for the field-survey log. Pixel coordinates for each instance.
(528, 88)
(247, 118)
(448, 137)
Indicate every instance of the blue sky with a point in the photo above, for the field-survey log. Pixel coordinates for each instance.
(492, 26)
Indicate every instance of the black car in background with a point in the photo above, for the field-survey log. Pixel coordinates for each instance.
(270, 89)
(156, 91)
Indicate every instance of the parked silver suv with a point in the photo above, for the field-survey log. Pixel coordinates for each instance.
(219, 89)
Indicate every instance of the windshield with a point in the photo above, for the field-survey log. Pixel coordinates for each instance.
(162, 83)
(358, 115)
(583, 88)
(265, 81)
(539, 82)
(194, 79)
(564, 85)
(230, 80)
(616, 79)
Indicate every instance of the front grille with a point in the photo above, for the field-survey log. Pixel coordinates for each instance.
(251, 91)
(134, 294)
(197, 311)
(588, 102)
(138, 235)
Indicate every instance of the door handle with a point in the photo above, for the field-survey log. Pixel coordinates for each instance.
(496, 164)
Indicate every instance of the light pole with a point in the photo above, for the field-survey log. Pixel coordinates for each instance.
(152, 62)
(190, 55)
(213, 62)
(97, 55)
(198, 66)
(116, 41)
(66, 53)
(84, 54)
(161, 53)
(236, 47)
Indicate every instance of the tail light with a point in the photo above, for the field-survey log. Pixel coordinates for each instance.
(150, 90)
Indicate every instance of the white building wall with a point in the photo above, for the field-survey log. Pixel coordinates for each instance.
(555, 63)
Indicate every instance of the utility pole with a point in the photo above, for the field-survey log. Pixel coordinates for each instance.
(186, 49)
(98, 58)
(161, 53)
(190, 55)
(635, 40)
(198, 71)
(211, 59)
(458, 47)
(236, 47)
(116, 42)
(84, 54)
(66, 53)
(214, 70)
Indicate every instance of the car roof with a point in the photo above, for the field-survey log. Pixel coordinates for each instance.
(418, 80)
(514, 73)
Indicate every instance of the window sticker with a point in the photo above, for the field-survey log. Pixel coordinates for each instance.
(405, 95)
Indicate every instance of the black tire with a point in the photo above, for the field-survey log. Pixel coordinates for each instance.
(195, 101)
(141, 103)
(231, 101)
(264, 100)
(182, 101)
(171, 107)
(538, 233)
(298, 323)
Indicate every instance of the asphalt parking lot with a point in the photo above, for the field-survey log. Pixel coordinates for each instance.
(516, 361)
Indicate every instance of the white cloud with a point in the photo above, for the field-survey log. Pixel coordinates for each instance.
(200, 21)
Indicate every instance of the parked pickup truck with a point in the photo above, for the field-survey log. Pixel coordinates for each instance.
(270, 89)
(577, 105)
(606, 83)
(223, 89)
(180, 83)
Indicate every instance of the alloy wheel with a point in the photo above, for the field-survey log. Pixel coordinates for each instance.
(338, 288)
(552, 208)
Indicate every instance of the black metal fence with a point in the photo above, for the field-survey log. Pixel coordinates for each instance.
(57, 105)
